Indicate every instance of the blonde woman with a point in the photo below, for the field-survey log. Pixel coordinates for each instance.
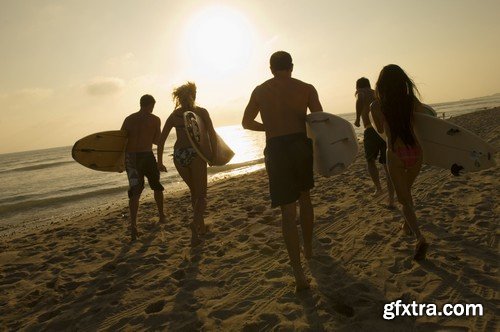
(191, 167)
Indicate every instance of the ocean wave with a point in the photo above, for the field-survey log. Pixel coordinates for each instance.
(37, 166)
(230, 167)
(8, 209)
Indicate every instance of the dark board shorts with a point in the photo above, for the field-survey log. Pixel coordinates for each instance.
(374, 146)
(138, 166)
(289, 165)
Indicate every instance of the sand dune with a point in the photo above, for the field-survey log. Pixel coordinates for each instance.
(84, 274)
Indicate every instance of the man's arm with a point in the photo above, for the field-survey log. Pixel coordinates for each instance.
(161, 144)
(359, 110)
(314, 104)
(250, 114)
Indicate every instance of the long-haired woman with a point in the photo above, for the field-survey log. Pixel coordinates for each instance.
(393, 115)
(191, 167)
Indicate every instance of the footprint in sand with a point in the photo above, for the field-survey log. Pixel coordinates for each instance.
(48, 316)
(400, 265)
(155, 307)
(267, 251)
(179, 274)
(372, 238)
(273, 274)
(325, 240)
(242, 237)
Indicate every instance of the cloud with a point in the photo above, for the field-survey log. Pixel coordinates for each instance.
(101, 86)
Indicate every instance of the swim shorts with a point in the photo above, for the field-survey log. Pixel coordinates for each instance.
(374, 145)
(138, 166)
(289, 165)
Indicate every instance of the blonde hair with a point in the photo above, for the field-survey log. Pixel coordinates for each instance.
(185, 95)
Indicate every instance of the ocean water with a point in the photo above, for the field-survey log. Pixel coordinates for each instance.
(47, 185)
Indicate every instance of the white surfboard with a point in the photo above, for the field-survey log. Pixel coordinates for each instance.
(200, 140)
(334, 142)
(429, 110)
(452, 147)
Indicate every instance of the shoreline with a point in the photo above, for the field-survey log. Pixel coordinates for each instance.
(85, 274)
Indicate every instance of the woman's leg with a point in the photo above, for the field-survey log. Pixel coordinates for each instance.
(403, 179)
(199, 177)
(185, 173)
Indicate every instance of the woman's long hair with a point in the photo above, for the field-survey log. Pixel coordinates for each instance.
(185, 95)
(396, 93)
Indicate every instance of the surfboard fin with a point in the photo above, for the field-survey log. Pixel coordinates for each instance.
(455, 169)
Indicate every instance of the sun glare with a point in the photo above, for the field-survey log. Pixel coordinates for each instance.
(218, 41)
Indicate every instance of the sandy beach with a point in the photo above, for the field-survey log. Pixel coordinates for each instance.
(84, 274)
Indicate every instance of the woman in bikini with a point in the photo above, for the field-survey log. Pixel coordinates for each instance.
(393, 115)
(191, 167)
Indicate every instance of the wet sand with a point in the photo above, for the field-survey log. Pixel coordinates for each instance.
(84, 274)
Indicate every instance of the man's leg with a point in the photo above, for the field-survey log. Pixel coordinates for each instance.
(133, 204)
(291, 237)
(373, 171)
(306, 222)
(159, 204)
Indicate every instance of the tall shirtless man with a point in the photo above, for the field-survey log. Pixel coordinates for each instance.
(374, 145)
(143, 130)
(283, 102)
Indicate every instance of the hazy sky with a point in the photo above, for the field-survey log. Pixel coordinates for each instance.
(70, 68)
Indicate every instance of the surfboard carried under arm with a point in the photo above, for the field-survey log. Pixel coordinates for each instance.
(452, 147)
(200, 139)
(104, 151)
(334, 142)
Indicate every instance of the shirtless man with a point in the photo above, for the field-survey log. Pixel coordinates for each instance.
(373, 143)
(143, 129)
(282, 102)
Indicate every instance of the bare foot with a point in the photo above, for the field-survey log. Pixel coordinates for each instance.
(301, 284)
(162, 219)
(406, 230)
(133, 233)
(307, 251)
(203, 229)
(421, 250)
(390, 204)
(195, 242)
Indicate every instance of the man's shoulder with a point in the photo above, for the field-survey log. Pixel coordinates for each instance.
(131, 117)
(303, 85)
(154, 117)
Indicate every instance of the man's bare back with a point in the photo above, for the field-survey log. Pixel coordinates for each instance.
(282, 103)
(364, 97)
(143, 130)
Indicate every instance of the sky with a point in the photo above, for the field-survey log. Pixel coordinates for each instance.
(71, 68)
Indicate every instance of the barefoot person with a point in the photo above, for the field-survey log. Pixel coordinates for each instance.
(282, 102)
(191, 167)
(393, 114)
(143, 130)
(374, 145)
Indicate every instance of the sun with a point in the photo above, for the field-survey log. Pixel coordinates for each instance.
(218, 41)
